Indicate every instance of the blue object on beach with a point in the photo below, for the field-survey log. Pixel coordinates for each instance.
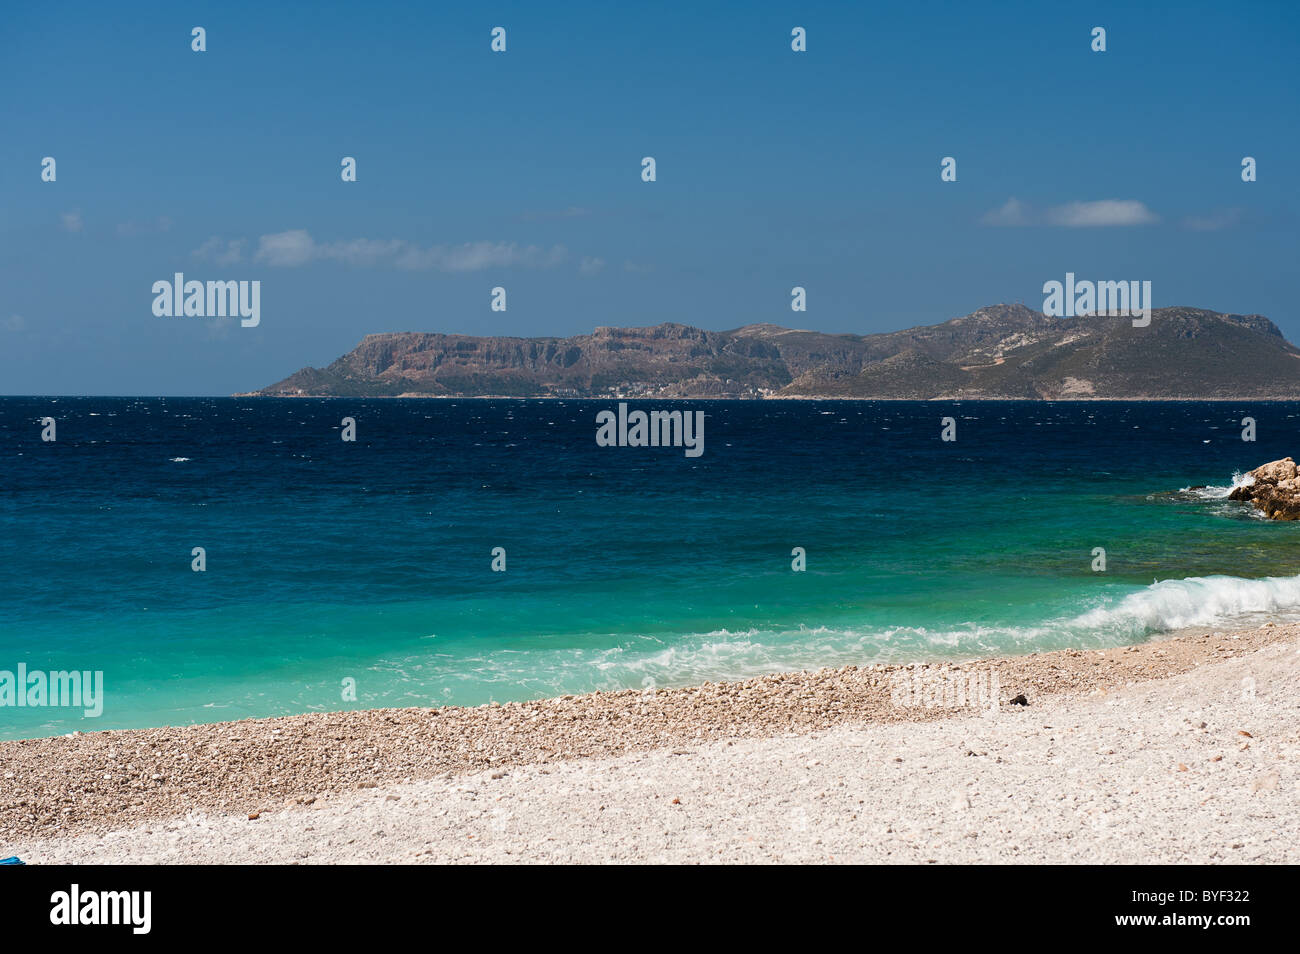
(12, 861)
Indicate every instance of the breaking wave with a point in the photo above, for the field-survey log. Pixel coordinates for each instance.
(724, 655)
(1215, 492)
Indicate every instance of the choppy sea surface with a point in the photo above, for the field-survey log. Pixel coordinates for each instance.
(371, 561)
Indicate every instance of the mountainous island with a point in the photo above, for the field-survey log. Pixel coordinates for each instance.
(1003, 351)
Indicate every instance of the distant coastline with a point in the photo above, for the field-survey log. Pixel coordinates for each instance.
(730, 400)
(1002, 352)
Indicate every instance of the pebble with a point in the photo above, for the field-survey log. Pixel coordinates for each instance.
(223, 767)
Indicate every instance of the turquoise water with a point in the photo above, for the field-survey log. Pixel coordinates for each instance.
(626, 567)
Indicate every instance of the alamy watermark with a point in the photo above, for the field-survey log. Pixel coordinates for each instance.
(36, 688)
(193, 299)
(129, 908)
(1112, 299)
(651, 429)
(944, 688)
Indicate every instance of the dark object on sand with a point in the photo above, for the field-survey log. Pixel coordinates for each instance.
(1019, 700)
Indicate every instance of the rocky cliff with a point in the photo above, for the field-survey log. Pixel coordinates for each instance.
(1003, 351)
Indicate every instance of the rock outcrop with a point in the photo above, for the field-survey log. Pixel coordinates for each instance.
(1275, 489)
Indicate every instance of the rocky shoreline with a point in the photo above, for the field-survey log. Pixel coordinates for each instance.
(101, 781)
(1273, 488)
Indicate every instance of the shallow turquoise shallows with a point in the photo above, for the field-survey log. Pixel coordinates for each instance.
(329, 561)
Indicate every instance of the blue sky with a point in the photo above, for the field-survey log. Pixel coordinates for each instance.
(522, 169)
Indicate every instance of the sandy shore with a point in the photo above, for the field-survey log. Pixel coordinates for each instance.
(1179, 750)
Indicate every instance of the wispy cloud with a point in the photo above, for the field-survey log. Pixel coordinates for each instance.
(1100, 213)
(132, 229)
(1103, 212)
(572, 212)
(590, 266)
(286, 249)
(221, 251)
(296, 247)
(1222, 219)
(1011, 213)
(475, 256)
(72, 221)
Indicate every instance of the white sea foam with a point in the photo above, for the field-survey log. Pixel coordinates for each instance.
(665, 660)
(1162, 607)
(1215, 492)
(1218, 602)
(1199, 601)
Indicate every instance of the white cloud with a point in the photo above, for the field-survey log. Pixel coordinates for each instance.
(72, 221)
(296, 247)
(286, 249)
(360, 251)
(1223, 219)
(590, 266)
(1103, 212)
(221, 251)
(1013, 212)
(14, 323)
(474, 256)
